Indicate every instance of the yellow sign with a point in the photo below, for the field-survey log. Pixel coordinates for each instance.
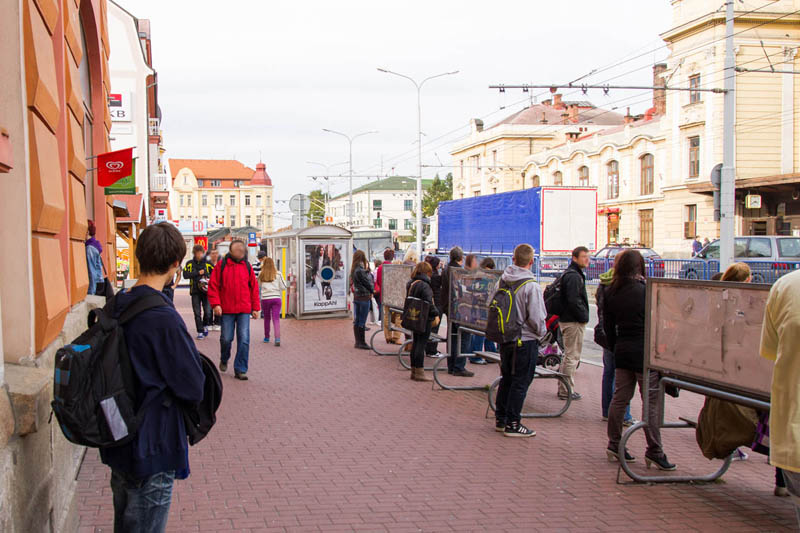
(752, 201)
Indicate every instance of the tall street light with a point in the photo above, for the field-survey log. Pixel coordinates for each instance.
(350, 143)
(419, 145)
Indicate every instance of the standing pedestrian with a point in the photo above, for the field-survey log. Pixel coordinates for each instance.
(198, 271)
(456, 365)
(233, 294)
(478, 342)
(696, 245)
(362, 288)
(467, 339)
(419, 286)
(94, 259)
(376, 276)
(432, 347)
(392, 337)
(574, 317)
(216, 321)
(624, 325)
(271, 285)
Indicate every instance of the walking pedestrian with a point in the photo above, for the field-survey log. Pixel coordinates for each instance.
(362, 288)
(574, 317)
(271, 285)
(624, 324)
(519, 357)
(419, 286)
(197, 271)
(456, 365)
(166, 364)
(233, 294)
(780, 342)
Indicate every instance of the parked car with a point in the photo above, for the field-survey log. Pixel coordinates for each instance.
(604, 259)
(769, 258)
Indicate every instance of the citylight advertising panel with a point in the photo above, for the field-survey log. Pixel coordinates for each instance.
(325, 276)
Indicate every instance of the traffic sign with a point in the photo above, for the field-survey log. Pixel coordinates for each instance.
(251, 239)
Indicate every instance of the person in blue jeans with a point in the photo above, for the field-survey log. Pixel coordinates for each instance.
(165, 360)
(363, 289)
(234, 294)
(456, 365)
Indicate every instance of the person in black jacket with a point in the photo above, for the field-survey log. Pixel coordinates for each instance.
(198, 271)
(363, 287)
(419, 286)
(574, 317)
(624, 326)
(436, 286)
(455, 365)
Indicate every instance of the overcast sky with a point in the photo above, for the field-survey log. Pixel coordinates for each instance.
(241, 77)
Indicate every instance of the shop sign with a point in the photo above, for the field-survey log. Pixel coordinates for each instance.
(752, 201)
(119, 106)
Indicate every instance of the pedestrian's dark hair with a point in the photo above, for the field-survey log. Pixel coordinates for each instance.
(577, 251)
(469, 260)
(487, 263)
(628, 267)
(359, 258)
(159, 247)
(388, 254)
(422, 267)
(433, 261)
(198, 248)
(456, 254)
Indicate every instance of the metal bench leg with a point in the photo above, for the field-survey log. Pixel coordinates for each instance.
(372, 345)
(496, 384)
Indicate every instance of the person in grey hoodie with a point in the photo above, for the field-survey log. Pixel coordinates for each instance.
(518, 359)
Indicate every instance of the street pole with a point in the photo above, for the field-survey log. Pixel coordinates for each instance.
(728, 179)
(419, 145)
(350, 161)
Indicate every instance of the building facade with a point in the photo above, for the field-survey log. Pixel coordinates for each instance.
(53, 122)
(221, 193)
(384, 204)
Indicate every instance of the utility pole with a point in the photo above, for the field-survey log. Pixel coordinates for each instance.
(728, 182)
(350, 144)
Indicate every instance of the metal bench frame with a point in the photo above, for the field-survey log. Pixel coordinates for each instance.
(540, 373)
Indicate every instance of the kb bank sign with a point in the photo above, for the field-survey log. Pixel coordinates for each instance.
(119, 105)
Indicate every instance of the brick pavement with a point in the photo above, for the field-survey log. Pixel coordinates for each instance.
(327, 438)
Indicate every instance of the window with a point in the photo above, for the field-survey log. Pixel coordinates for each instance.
(189, 200)
(494, 158)
(694, 83)
(204, 200)
(408, 205)
(789, 247)
(408, 224)
(216, 183)
(461, 168)
(647, 183)
(217, 200)
(612, 170)
(476, 193)
(237, 183)
(247, 220)
(199, 183)
(535, 181)
(377, 223)
(246, 199)
(233, 220)
(205, 220)
(377, 205)
(583, 176)
(392, 223)
(258, 200)
(233, 200)
(759, 248)
(690, 222)
(558, 178)
(259, 221)
(646, 227)
(182, 200)
(694, 157)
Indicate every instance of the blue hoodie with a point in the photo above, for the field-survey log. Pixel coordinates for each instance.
(163, 356)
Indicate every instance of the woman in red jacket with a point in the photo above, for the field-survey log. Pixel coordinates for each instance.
(233, 294)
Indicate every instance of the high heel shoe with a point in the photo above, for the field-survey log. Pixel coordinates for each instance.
(614, 456)
(660, 462)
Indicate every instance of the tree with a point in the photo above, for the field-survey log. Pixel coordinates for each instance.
(439, 191)
(316, 211)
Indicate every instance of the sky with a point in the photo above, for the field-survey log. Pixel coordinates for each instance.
(249, 79)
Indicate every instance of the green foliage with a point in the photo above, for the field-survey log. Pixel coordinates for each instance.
(316, 212)
(439, 191)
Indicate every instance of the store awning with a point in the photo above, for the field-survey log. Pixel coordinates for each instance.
(134, 205)
(775, 183)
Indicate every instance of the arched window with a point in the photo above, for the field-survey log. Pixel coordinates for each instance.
(85, 75)
(583, 176)
(535, 181)
(647, 183)
(558, 178)
(612, 169)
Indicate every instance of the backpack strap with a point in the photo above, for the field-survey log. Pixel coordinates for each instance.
(140, 305)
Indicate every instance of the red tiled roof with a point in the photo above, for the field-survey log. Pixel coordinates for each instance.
(586, 114)
(219, 169)
(134, 203)
(260, 177)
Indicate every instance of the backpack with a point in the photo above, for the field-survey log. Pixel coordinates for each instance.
(554, 297)
(94, 386)
(503, 324)
(200, 418)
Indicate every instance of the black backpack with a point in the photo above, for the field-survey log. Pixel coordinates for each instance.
(200, 418)
(503, 325)
(554, 297)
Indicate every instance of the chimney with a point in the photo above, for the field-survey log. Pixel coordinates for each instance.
(547, 102)
(659, 95)
(476, 125)
(557, 101)
(573, 135)
(565, 117)
(544, 118)
(573, 112)
(628, 117)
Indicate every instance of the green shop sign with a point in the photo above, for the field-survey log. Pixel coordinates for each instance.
(125, 185)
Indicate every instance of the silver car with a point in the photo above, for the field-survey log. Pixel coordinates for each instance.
(769, 257)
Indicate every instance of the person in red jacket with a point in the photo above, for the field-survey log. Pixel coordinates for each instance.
(233, 294)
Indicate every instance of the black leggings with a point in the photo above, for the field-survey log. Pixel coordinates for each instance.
(418, 349)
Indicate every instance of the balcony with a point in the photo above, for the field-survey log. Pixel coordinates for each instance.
(154, 126)
(158, 183)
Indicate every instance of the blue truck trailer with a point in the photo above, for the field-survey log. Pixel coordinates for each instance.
(553, 220)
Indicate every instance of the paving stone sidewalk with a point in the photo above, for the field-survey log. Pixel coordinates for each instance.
(328, 438)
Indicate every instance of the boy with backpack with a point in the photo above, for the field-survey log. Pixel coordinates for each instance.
(519, 298)
(198, 271)
(168, 370)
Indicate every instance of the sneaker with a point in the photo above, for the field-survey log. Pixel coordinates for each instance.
(223, 366)
(277, 342)
(205, 332)
(499, 426)
(266, 340)
(628, 422)
(515, 429)
(216, 328)
(479, 361)
(241, 376)
(200, 336)
(575, 396)
(463, 373)
(605, 418)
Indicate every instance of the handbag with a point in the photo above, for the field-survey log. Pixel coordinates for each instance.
(107, 288)
(415, 313)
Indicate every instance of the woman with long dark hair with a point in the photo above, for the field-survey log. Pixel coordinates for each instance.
(363, 287)
(436, 285)
(624, 326)
(419, 286)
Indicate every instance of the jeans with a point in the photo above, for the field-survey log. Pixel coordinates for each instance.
(455, 363)
(360, 312)
(609, 367)
(241, 323)
(517, 365)
(792, 480)
(380, 306)
(479, 343)
(573, 333)
(271, 308)
(141, 505)
(202, 311)
(625, 384)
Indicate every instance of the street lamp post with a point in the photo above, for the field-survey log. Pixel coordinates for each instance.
(419, 144)
(350, 144)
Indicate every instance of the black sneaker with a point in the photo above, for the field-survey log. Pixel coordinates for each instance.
(223, 366)
(463, 373)
(499, 426)
(515, 429)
